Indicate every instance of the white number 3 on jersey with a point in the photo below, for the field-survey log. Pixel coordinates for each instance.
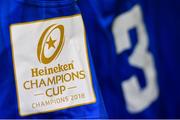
(137, 99)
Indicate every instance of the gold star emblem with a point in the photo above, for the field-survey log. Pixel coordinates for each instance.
(51, 43)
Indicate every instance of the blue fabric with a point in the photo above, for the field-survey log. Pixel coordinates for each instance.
(161, 18)
(12, 11)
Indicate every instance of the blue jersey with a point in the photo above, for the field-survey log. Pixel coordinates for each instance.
(46, 71)
(134, 45)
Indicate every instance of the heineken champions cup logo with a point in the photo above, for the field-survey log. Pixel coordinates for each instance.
(54, 77)
(52, 39)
